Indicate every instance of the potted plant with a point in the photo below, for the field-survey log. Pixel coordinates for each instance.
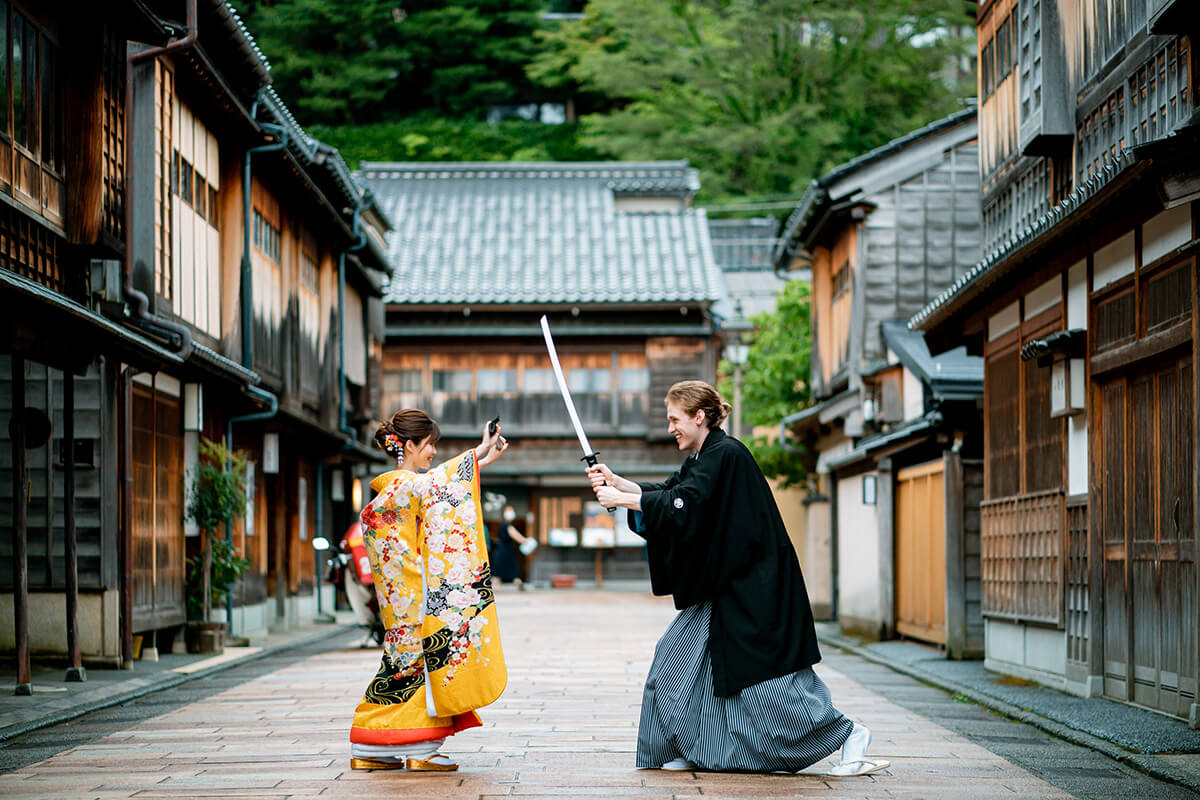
(217, 497)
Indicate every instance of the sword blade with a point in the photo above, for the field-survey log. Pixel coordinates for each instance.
(562, 387)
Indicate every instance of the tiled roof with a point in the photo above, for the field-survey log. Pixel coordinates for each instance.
(952, 372)
(817, 193)
(542, 233)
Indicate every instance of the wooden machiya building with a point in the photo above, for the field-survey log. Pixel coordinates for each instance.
(144, 304)
(892, 442)
(613, 254)
(1084, 311)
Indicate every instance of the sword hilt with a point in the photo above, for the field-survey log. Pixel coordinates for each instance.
(592, 460)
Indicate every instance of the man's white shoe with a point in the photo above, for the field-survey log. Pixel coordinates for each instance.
(854, 755)
(679, 765)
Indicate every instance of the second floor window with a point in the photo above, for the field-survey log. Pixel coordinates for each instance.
(523, 392)
(310, 290)
(453, 398)
(31, 115)
(266, 236)
(590, 389)
(187, 263)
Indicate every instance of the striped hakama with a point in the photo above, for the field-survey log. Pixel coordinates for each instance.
(786, 723)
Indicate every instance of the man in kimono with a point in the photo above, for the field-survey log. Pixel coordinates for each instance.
(731, 687)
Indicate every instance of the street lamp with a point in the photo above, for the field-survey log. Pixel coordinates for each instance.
(737, 354)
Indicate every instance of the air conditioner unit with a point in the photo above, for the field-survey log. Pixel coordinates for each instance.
(106, 279)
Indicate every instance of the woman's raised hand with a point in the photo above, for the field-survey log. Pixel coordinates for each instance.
(492, 445)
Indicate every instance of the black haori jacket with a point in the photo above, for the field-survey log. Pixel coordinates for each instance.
(713, 532)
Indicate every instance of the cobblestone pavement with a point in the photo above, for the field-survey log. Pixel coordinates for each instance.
(565, 727)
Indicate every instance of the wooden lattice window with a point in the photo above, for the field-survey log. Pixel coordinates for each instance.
(32, 250)
(1116, 321)
(114, 136)
(1042, 445)
(1021, 540)
(1003, 424)
(1078, 580)
(1168, 298)
(31, 129)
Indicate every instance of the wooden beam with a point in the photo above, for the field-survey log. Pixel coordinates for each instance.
(20, 564)
(956, 581)
(75, 670)
(1141, 349)
(125, 569)
(1194, 711)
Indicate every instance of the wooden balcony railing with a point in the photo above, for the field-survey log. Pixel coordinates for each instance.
(1023, 542)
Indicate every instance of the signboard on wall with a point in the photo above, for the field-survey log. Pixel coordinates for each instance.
(599, 527)
(562, 537)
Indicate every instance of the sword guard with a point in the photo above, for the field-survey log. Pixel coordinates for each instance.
(592, 460)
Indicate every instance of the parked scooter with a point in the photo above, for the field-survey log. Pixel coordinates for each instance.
(350, 568)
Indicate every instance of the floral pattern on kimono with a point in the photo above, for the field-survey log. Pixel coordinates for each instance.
(428, 550)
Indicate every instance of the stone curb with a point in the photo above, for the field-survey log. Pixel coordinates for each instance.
(1143, 763)
(167, 680)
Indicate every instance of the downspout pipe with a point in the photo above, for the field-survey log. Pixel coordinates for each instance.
(273, 408)
(247, 299)
(179, 335)
(787, 446)
(358, 244)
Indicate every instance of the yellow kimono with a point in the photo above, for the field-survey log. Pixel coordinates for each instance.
(427, 544)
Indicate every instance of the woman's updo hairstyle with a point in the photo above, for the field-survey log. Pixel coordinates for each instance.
(693, 396)
(407, 425)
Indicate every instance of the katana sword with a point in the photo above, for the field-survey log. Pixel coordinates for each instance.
(589, 455)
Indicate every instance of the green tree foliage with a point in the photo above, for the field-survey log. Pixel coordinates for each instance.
(775, 377)
(426, 137)
(762, 94)
(216, 497)
(341, 62)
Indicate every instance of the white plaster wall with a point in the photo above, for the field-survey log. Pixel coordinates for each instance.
(1048, 295)
(99, 631)
(1026, 651)
(1165, 232)
(1077, 430)
(816, 561)
(1003, 321)
(1113, 262)
(858, 552)
(251, 621)
(913, 395)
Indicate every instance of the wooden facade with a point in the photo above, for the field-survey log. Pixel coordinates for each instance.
(1086, 306)
(122, 277)
(883, 234)
(627, 279)
(921, 552)
(617, 383)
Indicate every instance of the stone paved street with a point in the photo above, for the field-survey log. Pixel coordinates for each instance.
(566, 727)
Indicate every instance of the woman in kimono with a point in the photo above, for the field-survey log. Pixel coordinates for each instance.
(731, 686)
(426, 542)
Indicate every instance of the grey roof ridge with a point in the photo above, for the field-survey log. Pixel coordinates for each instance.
(249, 45)
(718, 292)
(808, 202)
(517, 166)
(1035, 230)
(909, 347)
(627, 177)
(318, 153)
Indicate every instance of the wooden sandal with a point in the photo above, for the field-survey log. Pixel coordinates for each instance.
(431, 764)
